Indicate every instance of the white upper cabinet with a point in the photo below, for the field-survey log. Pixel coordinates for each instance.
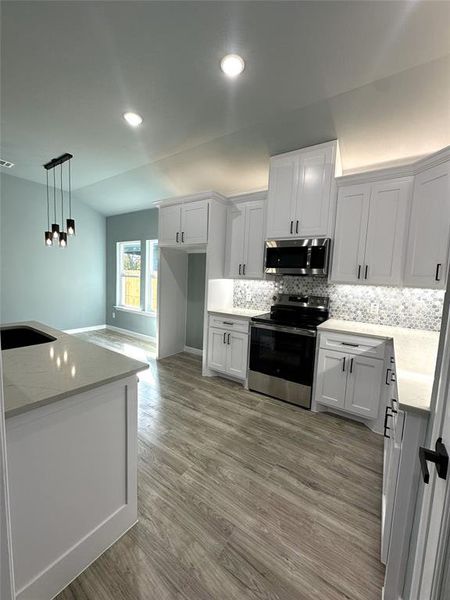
(245, 240)
(429, 229)
(184, 224)
(301, 192)
(169, 225)
(370, 232)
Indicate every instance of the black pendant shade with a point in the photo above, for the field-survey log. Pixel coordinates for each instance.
(55, 235)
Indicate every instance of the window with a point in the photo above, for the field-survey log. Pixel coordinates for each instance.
(130, 273)
(151, 283)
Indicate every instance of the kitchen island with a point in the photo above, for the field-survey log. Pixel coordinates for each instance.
(71, 435)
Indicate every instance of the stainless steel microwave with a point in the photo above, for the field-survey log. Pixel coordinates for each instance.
(298, 257)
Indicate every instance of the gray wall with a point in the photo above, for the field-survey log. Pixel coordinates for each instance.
(62, 288)
(195, 300)
(141, 225)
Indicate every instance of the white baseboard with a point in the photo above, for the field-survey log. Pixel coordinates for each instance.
(82, 329)
(139, 336)
(192, 350)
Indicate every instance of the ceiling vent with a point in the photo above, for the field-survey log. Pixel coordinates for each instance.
(6, 163)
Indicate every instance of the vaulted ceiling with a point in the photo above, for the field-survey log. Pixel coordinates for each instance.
(375, 75)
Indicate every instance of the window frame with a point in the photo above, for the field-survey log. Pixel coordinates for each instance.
(150, 275)
(119, 263)
(145, 278)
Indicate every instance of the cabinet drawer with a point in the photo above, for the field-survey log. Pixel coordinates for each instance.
(353, 344)
(229, 323)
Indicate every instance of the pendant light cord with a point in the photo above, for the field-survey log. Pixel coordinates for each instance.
(62, 201)
(70, 191)
(48, 204)
(54, 194)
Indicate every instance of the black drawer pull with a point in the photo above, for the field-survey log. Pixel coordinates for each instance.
(348, 344)
(228, 322)
(440, 458)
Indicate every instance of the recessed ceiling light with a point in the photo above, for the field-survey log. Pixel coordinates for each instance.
(133, 118)
(232, 65)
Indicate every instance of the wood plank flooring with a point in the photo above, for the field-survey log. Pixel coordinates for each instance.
(242, 497)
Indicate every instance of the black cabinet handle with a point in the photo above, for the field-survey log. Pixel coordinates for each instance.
(365, 273)
(292, 225)
(385, 427)
(229, 335)
(438, 268)
(348, 344)
(177, 236)
(239, 268)
(438, 456)
(182, 237)
(359, 271)
(243, 269)
(296, 228)
(388, 371)
(351, 365)
(224, 337)
(343, 364)
(228, 322)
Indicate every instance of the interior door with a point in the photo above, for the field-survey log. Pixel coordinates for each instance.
(332, 378)
(313, 193)
(217, 349)
(169, 225)
(194, 223)
(235, 241)
(237, 349)
(429, 230)
(365, 378)
(254, 240)
(283, 180)
(350, 233)
(386, 232)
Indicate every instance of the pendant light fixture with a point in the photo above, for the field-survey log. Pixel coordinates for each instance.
(48, 233)
(57, 236)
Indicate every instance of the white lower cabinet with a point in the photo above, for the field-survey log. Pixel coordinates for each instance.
(228, 348)
(348, 380)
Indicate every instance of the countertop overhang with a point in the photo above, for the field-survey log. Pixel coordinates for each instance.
(37, 375)
(415, 353)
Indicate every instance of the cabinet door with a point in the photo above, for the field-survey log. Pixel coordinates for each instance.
(169, 225)
(313, 193)
(235, 240)
(385, 244)
(332, 378)
(194, 222)
(281, 205)
(237, 347)
(217, 349)
(429, 229)
(350, 233)
(254, 240)
(365, 378)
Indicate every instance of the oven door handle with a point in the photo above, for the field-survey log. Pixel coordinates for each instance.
(293, 330)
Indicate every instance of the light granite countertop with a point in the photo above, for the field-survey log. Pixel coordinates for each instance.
(415, 353)
(37, 375)
(246, 313)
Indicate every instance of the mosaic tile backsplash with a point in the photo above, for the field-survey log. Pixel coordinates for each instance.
(401, 307)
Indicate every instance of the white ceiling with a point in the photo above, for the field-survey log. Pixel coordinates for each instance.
(375, 75)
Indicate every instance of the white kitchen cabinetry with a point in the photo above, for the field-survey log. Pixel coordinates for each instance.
(301, 192)
(347, 379)
(245, 240)
(370, 232)
(228, 346)
(183, 224)
(429, 229)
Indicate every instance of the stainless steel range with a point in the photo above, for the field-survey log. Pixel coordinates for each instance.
(283, 345)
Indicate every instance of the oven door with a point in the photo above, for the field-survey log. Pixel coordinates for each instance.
(284, 353)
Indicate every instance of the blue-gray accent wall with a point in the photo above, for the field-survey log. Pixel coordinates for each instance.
(64, 288)
(195, 300)
(141, 225)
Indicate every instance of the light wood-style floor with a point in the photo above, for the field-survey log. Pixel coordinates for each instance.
(242, 497)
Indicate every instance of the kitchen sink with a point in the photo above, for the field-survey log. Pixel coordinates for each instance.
(22, 335)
